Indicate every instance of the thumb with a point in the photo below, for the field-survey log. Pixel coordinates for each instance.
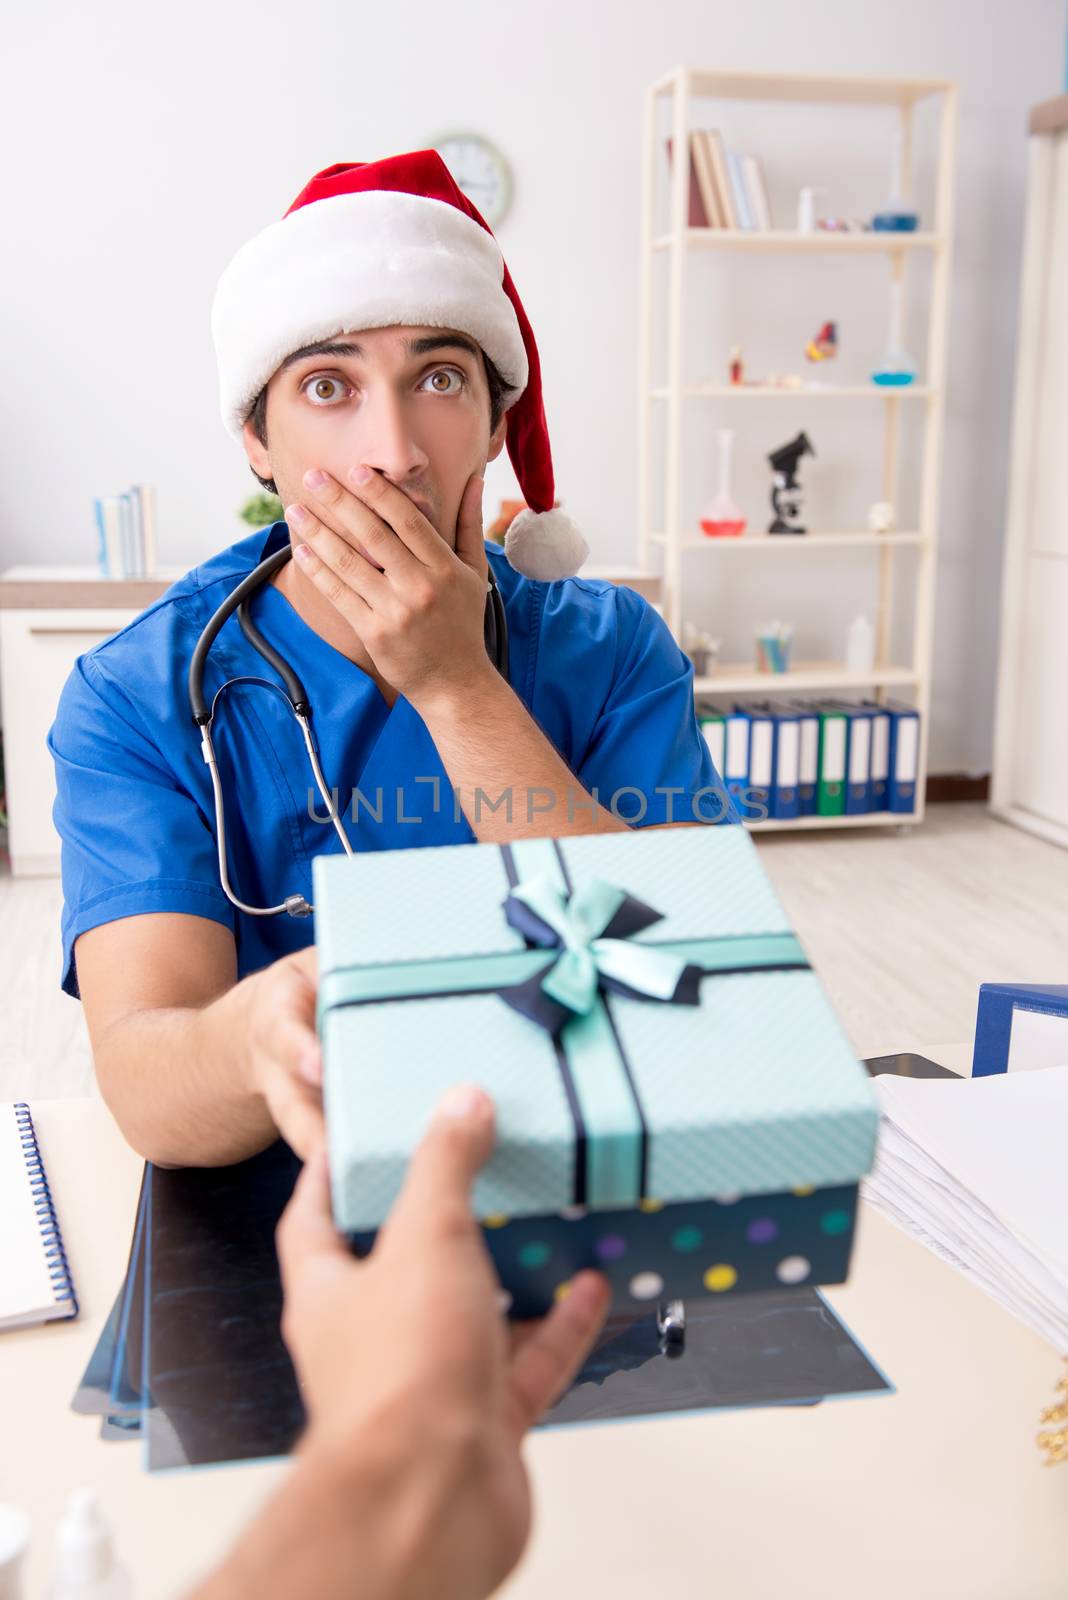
(437, 1187)
(470, 539)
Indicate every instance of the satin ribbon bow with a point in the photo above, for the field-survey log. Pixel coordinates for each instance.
(593, 929)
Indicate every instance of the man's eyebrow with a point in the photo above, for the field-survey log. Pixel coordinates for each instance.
(414, 347)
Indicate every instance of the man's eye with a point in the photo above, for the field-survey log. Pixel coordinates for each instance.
(322, 390)
(448, 372)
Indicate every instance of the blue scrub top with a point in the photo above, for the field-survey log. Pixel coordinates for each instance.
(594, 664)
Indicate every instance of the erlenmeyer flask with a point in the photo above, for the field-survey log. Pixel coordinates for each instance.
(722, 517)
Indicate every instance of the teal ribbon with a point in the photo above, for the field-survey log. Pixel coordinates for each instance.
(574, 978)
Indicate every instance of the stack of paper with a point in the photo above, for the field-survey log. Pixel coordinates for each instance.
(978, 1171)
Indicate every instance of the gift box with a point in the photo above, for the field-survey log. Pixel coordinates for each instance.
(677, 1103)
(1019, 1027)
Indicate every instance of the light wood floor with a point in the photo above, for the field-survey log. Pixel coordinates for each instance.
(901, 929)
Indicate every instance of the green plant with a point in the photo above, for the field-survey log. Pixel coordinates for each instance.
(259, 509)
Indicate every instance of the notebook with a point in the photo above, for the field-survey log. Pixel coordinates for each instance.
(35, 1281)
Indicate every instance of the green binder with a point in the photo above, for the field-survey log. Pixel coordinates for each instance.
(831, 761)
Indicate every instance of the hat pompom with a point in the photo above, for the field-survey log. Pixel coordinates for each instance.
(545, 545)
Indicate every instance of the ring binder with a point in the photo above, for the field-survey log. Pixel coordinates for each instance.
(45, 1211)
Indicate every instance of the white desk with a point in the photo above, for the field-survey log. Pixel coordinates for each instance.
(936, 1491)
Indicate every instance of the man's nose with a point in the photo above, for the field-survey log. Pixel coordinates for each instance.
(387, 440)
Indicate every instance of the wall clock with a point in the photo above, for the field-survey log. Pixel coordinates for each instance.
(480, 171)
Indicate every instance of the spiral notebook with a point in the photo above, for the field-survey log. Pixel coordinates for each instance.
(35, 1281)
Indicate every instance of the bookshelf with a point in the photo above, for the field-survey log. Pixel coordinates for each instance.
(665, 545)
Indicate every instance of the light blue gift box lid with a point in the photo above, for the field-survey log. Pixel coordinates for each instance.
(755, 1091)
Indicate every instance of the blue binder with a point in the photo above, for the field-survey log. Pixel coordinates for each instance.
(904, 757)
(735, 772)
(761, 760)
(999, 1004)
(785, 794)
(880, 754)
(808, 722)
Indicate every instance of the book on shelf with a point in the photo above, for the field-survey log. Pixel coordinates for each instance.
(126, 533)
(698, 217)
(707, 181)
(728, 190)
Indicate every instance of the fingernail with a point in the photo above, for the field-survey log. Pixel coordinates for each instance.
(311, 1067)
(296, 514)
(302, 553)
(461, 1102)
(315, 478)
(361, 475)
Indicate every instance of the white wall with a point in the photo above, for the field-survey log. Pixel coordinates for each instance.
(138, 150)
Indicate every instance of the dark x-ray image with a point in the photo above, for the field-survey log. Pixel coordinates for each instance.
(218, 1384)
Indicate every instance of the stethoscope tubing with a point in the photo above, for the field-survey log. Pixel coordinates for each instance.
(296, 905)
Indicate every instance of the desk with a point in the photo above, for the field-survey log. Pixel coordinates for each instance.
(937, 1491)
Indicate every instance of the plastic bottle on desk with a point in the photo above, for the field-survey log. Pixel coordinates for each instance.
(723, 517)
(86, 1568)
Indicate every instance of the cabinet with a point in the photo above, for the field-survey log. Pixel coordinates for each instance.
(48, 617)
(1029, 785)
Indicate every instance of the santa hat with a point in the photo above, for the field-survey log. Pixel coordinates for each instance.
(372, 244)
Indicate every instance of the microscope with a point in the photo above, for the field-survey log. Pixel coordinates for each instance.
(786, 496)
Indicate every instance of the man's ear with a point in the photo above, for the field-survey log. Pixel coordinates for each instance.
(259, 460)
(497, 438)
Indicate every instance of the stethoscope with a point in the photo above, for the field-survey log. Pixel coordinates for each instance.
(496, 635)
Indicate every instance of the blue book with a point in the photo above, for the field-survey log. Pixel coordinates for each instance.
(101, 540)
(785, 794)
(742, 209)
(904, 757)
(761, 759)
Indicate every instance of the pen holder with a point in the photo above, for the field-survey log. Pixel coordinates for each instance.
(773, 646)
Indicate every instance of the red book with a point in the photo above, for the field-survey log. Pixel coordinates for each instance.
(697, 218)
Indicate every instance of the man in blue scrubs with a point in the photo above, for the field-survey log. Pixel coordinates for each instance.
(373, 358)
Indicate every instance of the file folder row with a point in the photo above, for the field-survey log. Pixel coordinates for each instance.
(800, 758)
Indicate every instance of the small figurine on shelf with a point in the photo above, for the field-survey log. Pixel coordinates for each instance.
(773, 643)
(824, 347)
(736, 368)
(723, 517)
(786, 497)
(701, 648)
(882, 517)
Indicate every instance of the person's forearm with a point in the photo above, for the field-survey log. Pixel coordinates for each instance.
(507, 778)
(178, 1083)
(345, 1524)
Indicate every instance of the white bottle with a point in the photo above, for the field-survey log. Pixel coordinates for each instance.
(86, 1568)
(14, 1537)
(806, 210)
(860, 645)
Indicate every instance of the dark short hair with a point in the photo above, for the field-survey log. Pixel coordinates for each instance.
(498, 393)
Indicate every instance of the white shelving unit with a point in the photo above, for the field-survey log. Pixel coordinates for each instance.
(682, 89)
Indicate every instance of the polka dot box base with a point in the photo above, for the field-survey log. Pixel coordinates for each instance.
(678, 1251)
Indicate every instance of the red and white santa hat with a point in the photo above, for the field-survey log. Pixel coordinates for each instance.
(373, 244)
